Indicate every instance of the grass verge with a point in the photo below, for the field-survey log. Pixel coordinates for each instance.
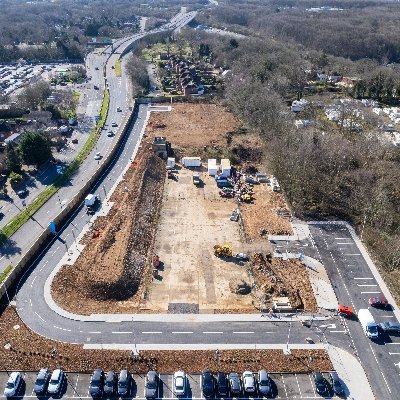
(4, 274)
(44, 196)
(118, 65)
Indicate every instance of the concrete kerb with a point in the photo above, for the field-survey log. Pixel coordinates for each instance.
(368, 260)
(208, 346)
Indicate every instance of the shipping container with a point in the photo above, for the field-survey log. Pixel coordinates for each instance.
(212, 167)
(225, 167)
(191, 161)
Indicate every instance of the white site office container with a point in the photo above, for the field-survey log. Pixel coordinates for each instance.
(225, 167)
(171, 162)
(212, 167)
(191, 161)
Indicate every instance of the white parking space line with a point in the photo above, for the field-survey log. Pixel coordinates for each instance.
(370, 292)
(342, 238)
(394, 354)
(295, 375)
(393, 343)
(343, 243)
(355, 254)
(366, 285)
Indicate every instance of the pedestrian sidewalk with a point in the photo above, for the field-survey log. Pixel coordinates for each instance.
(351, 373)
(301, 231)
(321, 284)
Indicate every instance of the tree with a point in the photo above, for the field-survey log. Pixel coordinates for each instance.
(34, 148)
(13, 159)
(34, 94)
(15, 178)
(234, 43)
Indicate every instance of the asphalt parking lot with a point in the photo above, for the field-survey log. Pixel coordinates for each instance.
(285, 386)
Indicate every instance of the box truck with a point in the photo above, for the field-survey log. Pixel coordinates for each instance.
(368, 323)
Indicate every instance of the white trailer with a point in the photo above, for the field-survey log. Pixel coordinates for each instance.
(370, 328)
(170, 162)
(191, 161)
(212, 167)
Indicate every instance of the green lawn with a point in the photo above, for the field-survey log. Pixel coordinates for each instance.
(44, 196)
(4, 274)
(118, 65)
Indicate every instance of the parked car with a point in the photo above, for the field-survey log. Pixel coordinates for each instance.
(114, 124)
(22, 193)
(234, 383)
(336, 383)
(110, 133)
(119, 109)
(378, 302)
(96, 383)
(262, 178)
(321, 385)
(42, 380)
(389, 327)
(207, 383)
(109, 383)
(97, 156)
(1, 215)
(222, 384)
(151, 383)
(96, 87)
(179, 383)
(13, 384)
(264, 382)
(249, 384)
(56, 381)
(124, 383)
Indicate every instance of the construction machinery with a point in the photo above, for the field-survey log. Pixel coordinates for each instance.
(196, 179)
(224, 251)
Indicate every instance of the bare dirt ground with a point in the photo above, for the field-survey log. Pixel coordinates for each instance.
(109, 273)
(30, 352)
(275, 277)
(193, 125)
(193, 219)
(261, 217)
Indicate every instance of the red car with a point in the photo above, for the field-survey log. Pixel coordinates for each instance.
(378, 302)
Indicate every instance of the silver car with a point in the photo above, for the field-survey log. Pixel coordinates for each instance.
(179, 383)
(150, 388)
(249, 385)
(56, 381)
(264, 382)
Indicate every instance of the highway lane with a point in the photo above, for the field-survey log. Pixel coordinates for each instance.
(119, 96)
(354, 284)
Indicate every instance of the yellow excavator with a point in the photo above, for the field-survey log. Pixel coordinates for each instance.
(223, 251)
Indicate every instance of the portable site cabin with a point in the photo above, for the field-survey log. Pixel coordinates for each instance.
(191, 161)
(225, 167)
(170, 162)
(212, 167)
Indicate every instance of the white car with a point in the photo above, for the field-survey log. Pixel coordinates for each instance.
(56, 381)
(179, 383)
(97, 156)
(249, 384)
(13, 384)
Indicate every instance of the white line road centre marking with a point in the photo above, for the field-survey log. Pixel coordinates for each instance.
(122, 332)
(33, 281)
(62, 329)
(152, 332)
(40, 316)
(95, 332)
(243, 332)
(181, 332)
(213, 332)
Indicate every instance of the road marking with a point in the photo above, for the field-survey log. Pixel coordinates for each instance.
(344, 243)
(213, 332)
(2, 258)
(152, 332)
(370, 292)
(387, 316)
(394, 354)
(33, 280)
(342, 238)
(393, 343)
(243, 332)
(298, 385)
(122, 332)
(338, 331)
(30, 302)
(366, 285)
(380, 370)
(63, 329)
(95, 332)
(181, 332)
(355, 254)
